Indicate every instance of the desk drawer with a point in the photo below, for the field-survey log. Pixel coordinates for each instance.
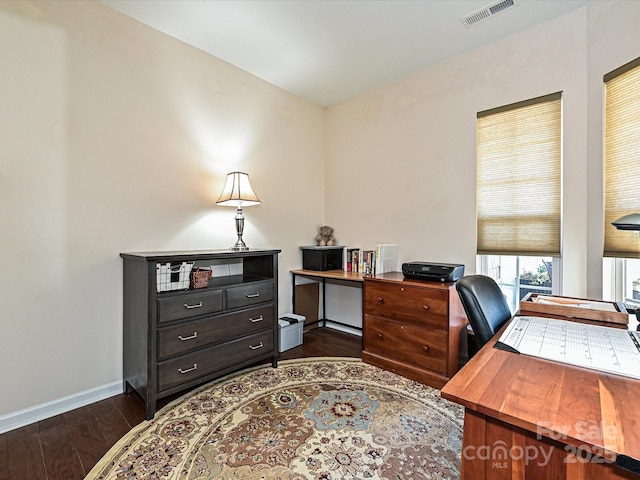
(420, 306)
(189, 305)
(213, 359)
(406, 343)
(250, 294)
(189, 336)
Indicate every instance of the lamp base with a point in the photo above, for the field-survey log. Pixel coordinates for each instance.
(239, 246)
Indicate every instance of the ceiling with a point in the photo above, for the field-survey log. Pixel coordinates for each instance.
(327, 51)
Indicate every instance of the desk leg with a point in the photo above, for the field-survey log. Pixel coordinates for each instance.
(324, 302)
(362, 315)
(293, 293)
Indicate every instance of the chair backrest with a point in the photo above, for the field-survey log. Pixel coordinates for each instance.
(485, 305)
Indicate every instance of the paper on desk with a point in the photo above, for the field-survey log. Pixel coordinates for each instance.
(574, 302)
(607, 349)
(545, 301)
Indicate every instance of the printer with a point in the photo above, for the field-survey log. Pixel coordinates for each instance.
(440, 272)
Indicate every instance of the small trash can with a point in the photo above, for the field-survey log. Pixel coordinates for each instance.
(290, 327)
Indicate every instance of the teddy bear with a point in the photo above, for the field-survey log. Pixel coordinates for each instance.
(325, 236)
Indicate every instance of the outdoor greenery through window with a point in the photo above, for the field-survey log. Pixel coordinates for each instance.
(519, 276)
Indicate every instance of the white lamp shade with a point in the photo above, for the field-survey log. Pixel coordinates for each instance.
(237, 191)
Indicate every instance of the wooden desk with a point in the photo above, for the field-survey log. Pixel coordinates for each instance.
(322, 276)
(531, 418)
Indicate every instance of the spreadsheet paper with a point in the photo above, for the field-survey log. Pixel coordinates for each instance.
(611, 350)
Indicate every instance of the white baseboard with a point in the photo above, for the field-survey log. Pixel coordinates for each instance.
(344, 328)
(18, 419)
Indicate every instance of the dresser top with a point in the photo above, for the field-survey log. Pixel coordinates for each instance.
(179, 255)
(398, 277)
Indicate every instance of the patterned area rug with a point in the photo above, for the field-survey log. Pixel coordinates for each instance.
(318, 418)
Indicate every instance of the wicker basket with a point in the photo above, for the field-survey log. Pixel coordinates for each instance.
(200, 277)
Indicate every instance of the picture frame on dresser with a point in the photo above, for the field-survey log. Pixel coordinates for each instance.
(175, 340)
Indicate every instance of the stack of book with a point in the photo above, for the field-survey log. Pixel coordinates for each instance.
(384, 258)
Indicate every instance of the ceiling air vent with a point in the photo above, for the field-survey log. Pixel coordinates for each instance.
(488, 12)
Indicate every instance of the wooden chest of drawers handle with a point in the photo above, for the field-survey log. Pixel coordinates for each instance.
(252, 295)
(425, 308)
(256, 347)
(379, 335)
(380, 300)
(195, 367)
(255, 320)
(190, 337)
(425, 349)
(197, 305)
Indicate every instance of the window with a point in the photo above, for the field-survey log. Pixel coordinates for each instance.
(518, 195)
(621, 280)
(518, 180)
(519, 276)
(621, 158)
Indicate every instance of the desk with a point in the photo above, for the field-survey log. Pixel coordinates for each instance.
(531, 418)
(322, 276)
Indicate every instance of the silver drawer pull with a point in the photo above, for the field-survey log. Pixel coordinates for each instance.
(256, 347)
(195, 335)
(254, 320)
(252, 295)
(197, 305)
(195, 367)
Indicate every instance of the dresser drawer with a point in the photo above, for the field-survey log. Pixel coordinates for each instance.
(205, 362)
(189, 305)
(419, 306)
(188, 336)
(406, 343)
(250, 294)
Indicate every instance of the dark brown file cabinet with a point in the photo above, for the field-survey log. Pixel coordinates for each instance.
(178, 339)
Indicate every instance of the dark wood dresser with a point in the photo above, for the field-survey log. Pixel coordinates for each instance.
(413, 327)
(178, 339)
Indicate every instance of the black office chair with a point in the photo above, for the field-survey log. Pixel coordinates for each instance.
(485, 305)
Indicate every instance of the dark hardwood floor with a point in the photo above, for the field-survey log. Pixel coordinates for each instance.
(67, 446)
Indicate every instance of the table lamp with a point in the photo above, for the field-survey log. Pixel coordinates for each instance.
(237, 192)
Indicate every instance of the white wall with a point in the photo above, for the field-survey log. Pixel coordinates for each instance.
(115, 137)
(400, 164)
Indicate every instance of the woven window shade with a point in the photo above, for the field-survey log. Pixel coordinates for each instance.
(519, 151)
(622, 158)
